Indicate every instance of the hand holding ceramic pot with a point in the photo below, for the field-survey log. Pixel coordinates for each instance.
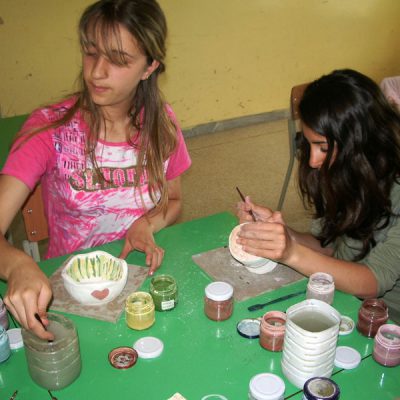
(247, 208)
(270, 239)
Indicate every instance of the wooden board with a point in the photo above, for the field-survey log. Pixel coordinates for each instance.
(221, 266)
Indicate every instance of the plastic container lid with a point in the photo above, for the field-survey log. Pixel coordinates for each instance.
(249, 328)
(346, 325)
(15, 338)
(123, 357)
(149, 347)
(347, 357)
(219, 291)
(266, 387)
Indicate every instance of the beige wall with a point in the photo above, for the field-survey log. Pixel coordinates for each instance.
(226, 58)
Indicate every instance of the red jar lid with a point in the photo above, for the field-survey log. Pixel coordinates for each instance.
(123, 357)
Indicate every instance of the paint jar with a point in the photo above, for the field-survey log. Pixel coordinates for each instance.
(5, 350)
(218, 301)
(321, 287)
(3, 315)
(139, 311)
(387, 345)
(53, 364)
(372, 314)
(164, 292)
(272, 330)
(320, 388)
(266, 387)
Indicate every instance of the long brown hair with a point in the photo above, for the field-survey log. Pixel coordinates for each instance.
(157, 137)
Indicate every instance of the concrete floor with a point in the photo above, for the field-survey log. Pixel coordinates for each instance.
(254, 158)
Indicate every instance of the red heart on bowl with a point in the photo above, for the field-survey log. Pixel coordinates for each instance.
(100, 294)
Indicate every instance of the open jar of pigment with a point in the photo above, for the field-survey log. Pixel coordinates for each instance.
(140, 310)
(3, 315)
(372, 314)
(218, 301)
(387, 345)
(321, 287)
(54, 364)
(164, 292)
(272, 330)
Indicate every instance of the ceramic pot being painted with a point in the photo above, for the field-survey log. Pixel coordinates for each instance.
(255, 264)
(95, 278)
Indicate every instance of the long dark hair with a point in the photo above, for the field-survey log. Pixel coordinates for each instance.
(351, 190)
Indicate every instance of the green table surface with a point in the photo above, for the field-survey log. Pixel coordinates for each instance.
(200, 356)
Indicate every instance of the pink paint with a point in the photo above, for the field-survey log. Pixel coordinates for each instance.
(387, 345)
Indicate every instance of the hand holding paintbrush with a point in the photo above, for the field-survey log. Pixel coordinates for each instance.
(244, 200)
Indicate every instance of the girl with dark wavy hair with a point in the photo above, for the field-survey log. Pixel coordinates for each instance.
(349, 167)
(109, 158)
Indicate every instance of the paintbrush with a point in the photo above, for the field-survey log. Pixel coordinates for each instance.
(244, 200)
(256, 307)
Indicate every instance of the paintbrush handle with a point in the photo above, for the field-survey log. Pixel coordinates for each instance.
(244, 200)
(256, 307)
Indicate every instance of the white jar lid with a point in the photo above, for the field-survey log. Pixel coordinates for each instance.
(148, 347)
(219, 291)
(347, 357)
(267, 387)
(15, 338)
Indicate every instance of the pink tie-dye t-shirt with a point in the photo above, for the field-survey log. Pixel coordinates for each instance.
(81, 211)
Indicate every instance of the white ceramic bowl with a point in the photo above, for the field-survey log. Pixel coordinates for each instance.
(255, 264)
(95, 278)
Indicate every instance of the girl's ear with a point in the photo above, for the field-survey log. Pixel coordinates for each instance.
(150, 69)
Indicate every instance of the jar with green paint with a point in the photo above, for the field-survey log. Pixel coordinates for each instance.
(164, 291)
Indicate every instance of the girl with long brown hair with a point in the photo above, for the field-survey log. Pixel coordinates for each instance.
(109, 158)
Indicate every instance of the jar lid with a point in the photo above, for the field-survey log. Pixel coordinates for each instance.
(249, 328)
(346, 325)
(219, 291)
(266, 386)
(149, 347)
(347, 357)
(15, 338)
(123, 357)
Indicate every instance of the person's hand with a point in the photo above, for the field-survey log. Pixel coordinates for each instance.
(247, 207)
(140, 237)
(29, 293)
(269, 239)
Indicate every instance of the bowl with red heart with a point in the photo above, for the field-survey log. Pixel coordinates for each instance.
(94, 278)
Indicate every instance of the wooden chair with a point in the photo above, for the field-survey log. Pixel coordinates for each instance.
(35, 223)
(293, 129)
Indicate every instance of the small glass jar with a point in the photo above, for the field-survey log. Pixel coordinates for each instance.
(372, 314)
(321, 287)
(5, 350)
(218, 301)
(272, 330)
(139, 311)
(164, 292)
(53, 364)
(3, 315)
(387, 345)
(320, 389)
(266, 387)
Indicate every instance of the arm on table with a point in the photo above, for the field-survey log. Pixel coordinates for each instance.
(140, 234)
(304, 253)
(28, 289)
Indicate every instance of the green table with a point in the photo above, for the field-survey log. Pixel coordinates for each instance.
(200, 356)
